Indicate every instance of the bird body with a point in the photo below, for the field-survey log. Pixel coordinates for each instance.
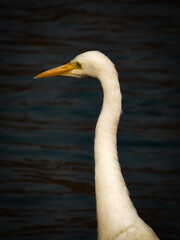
(116, 215)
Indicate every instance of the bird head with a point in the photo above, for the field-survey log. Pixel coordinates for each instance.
(91, 63)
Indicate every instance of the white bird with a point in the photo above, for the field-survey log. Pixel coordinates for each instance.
(116, 215)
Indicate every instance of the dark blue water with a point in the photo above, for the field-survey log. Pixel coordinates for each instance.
(47, 125)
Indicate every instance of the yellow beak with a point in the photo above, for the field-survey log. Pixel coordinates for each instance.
(58, 71)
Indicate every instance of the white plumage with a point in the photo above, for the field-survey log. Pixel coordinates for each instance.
(116, 214)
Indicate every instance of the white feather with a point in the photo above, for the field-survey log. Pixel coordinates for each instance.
(117, 216)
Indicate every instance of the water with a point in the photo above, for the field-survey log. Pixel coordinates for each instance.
(47, 125)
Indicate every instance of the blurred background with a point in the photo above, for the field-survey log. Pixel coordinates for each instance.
(47, 125)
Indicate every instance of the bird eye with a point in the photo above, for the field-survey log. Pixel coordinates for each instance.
(78, 65)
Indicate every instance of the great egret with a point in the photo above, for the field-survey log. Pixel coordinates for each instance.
(116, 215)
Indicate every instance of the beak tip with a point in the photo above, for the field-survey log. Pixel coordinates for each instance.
(36, 77)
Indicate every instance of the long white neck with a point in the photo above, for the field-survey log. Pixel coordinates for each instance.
(113, 202)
